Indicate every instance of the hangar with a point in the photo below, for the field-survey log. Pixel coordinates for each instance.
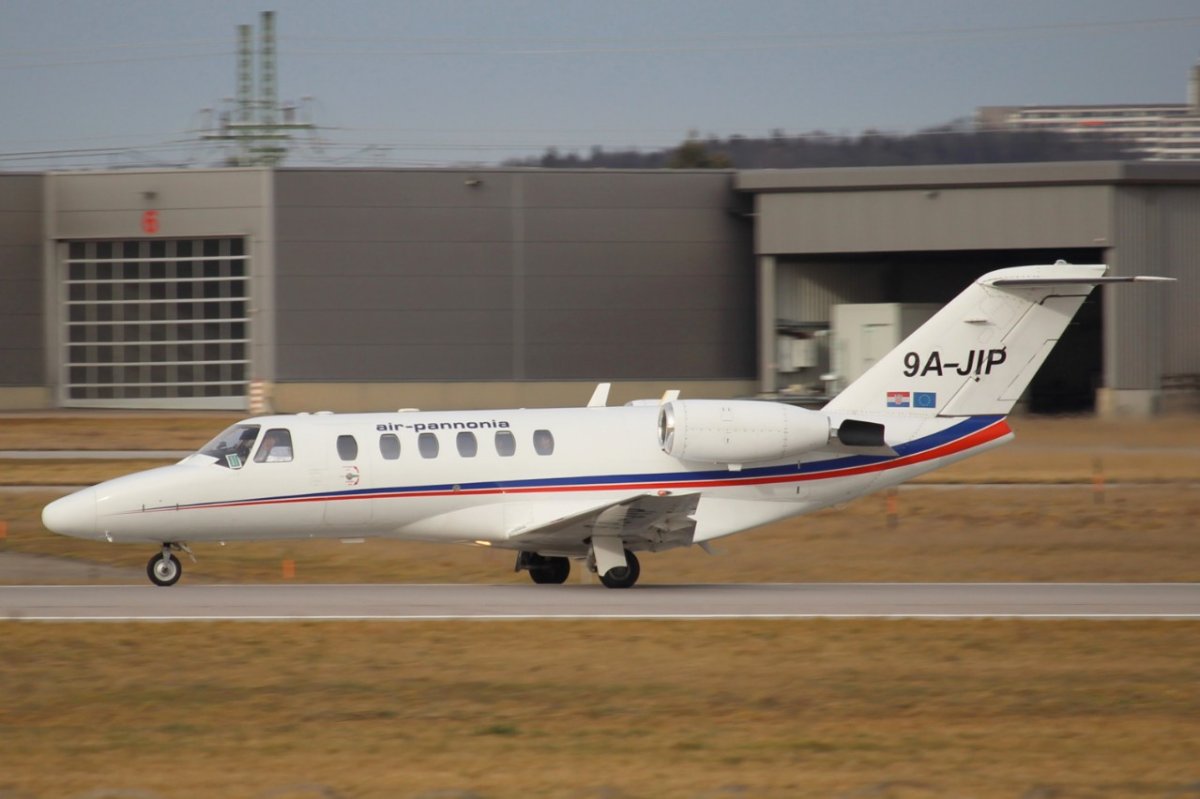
(919, 234)
(355, 289)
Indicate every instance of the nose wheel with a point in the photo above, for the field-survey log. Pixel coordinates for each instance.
(165, 569)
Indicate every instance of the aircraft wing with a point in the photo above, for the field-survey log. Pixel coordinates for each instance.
(644, 522)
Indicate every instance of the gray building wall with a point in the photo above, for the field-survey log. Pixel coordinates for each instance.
(511, 275)
(22, 350)
(1151, 329)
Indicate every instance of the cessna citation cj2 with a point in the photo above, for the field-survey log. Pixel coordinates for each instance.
(599, 484)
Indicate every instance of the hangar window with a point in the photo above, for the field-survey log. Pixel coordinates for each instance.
(389, 446)
(155, 323)
(427, 444)
(466, 443)
(347, 448)
(506, 443)
(543, 442)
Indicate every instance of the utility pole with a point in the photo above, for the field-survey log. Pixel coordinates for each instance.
(254, 125)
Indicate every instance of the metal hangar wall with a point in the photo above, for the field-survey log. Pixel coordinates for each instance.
(363, 289)
(455, 288)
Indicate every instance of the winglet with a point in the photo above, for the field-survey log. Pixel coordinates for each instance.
(670, 395)
(599, 396)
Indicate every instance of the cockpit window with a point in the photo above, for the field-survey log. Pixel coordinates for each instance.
(232, 447)
(276, 447)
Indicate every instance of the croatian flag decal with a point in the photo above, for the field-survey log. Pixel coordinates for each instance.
(898, 399)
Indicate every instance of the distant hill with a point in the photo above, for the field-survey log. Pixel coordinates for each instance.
(951, 144)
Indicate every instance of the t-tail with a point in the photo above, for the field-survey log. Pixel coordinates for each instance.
(976, 356)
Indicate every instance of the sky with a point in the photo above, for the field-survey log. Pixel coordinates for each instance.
(116, 83)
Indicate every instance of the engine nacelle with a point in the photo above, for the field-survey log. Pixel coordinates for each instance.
(739, 431)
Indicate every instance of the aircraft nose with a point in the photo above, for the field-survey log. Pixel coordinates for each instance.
(74, 514)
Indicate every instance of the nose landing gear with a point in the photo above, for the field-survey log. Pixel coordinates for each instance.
(165, 569)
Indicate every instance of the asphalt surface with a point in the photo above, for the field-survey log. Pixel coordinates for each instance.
(417, 602)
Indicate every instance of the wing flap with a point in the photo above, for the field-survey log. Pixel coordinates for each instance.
(643, 522)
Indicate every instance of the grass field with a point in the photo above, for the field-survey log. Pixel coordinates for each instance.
(603, 709)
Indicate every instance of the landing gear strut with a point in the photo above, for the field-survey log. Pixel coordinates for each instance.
(165, 569)
(544, 570)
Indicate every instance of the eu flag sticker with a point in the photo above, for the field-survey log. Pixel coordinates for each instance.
(924, 399)
(898, 399)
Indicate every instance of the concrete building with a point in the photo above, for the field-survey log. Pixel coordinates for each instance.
(1152, 131)
(374, 289)
(357, 289)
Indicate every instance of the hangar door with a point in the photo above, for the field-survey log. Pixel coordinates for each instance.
(154, 323)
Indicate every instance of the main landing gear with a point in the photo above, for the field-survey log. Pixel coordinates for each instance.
(164, 569)
(544, 570)
(623, 576)
(617, 567)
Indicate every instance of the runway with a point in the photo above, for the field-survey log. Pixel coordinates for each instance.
(511, 602)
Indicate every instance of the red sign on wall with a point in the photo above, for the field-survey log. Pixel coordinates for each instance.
(149, 221)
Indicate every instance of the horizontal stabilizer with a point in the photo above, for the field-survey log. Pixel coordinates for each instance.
(1077, 281)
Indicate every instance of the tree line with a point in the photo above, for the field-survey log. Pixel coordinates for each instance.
(949, 144)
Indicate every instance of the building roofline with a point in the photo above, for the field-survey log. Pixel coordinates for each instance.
(766, 181)
(1072, 106)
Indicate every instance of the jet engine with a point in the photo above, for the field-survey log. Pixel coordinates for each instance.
(739, 431)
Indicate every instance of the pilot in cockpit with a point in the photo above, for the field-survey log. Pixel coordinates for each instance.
(276, 447)
(245, 442)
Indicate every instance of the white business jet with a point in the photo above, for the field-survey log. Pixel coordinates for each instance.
(599, 484)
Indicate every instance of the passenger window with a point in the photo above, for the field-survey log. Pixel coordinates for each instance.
(389, 446)
(543, 442)
(276, 447)
(427, 443)
(347, 448)
(506, 443)
(467, 445)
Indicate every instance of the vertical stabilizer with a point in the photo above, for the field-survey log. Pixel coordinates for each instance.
(977, 355)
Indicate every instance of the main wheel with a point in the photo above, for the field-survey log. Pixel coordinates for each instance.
(551, 571)
(623, 576)
(164, 571)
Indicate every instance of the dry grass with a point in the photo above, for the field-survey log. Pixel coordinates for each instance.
(604, 709)
(110, 430)
(70, 472)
